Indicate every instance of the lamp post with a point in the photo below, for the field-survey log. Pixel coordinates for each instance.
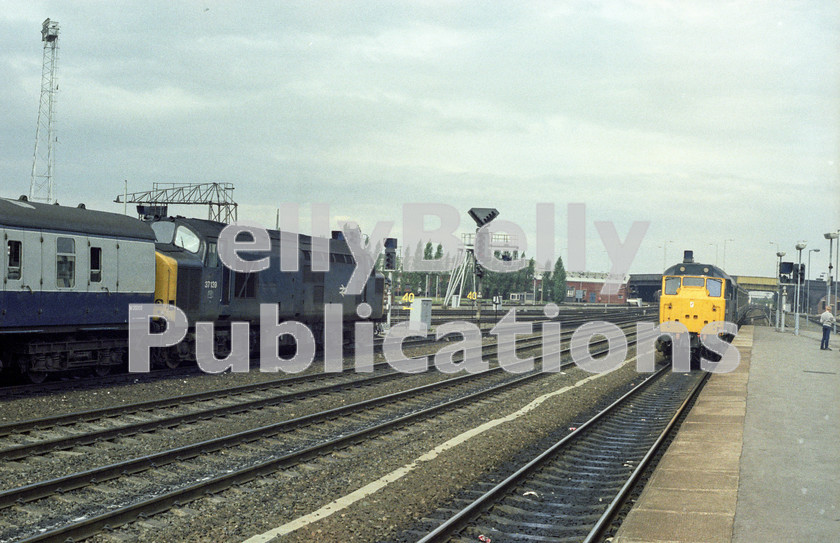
(779, 254)
(716, 251)
(830, 236)
(836, 265)
(665, 253)
(724, 252)
(808, 282)
(799, 246)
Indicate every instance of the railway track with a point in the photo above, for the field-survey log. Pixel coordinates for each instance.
(21, 439)
(572, 490)
(63, 383)
(489, 315)
(183, 473)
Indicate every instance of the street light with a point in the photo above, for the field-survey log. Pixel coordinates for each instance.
(665, 253)
(799, 246)
(716, 251)
(724, 252)
(808, 281)
(830, 236)
(779, 254)
(837, 265)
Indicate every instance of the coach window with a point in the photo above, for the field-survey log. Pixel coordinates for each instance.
(65, 262)
(13, 254)
(95, 264)
(714, 286)
(672, 284)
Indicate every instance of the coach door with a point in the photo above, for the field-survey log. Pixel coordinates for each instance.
(10, 273)
(24, 274)
(109, 265)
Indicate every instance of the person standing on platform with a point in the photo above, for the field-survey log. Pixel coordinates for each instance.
(826, 319)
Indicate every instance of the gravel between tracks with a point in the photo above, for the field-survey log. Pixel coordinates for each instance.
(253, 508)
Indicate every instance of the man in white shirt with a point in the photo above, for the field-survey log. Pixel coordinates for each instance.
(826, 319)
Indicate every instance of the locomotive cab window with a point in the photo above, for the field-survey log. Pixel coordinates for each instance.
(187, 239)
(715, 287)
(65, 262)
(693, 281)
(164, 231)
(96, 264)
(672, 284)
(13, 258)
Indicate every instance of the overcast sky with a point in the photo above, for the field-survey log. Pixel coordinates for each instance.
(711, 120)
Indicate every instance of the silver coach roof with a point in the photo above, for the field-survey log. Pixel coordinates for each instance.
(24, 214)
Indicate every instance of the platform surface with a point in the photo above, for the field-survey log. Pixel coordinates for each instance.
(758, 457)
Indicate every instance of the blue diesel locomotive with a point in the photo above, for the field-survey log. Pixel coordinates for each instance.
(69, 274)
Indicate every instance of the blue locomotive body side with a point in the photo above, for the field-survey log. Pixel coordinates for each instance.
(69, 275)
(209, 291)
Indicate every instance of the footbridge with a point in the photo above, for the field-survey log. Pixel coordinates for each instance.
(757, 282)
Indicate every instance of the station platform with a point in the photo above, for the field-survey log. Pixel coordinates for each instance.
(758, 456)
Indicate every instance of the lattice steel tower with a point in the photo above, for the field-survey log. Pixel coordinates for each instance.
(43, 162)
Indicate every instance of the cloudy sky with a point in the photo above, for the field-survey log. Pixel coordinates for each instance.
(713, 121)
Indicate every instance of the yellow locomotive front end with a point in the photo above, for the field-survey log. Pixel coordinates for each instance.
(694, 301)
(699, 301)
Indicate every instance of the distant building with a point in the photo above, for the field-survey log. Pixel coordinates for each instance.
(821, 304)
(586, 287)
(522, 297)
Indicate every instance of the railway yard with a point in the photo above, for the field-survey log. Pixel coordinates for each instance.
(180, 455)
(257, 290)
(293, 444)
(295, 404)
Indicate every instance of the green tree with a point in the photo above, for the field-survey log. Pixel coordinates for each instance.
(527, 277)
(558, 282)
(545, 287)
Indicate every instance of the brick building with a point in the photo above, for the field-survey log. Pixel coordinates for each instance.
(586, 287)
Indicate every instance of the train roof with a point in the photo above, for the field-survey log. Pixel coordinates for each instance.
(211, 229)
(76, 220)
